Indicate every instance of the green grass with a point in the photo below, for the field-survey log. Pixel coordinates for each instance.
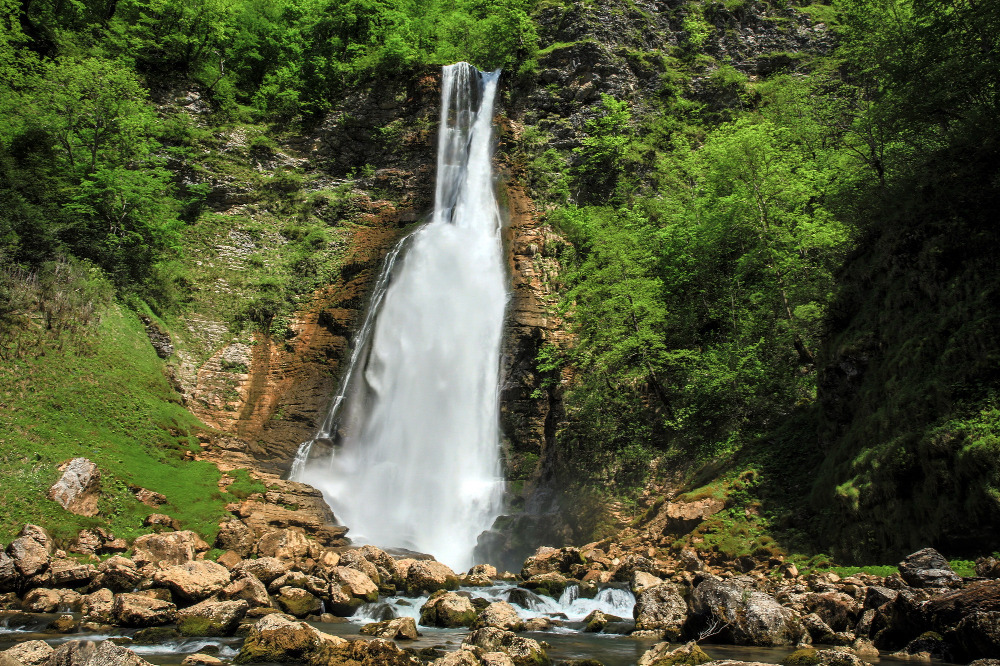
(101, 395)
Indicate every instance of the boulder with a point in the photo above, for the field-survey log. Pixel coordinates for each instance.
(234, 535)
(298, 602)
(72, 653)
(429, 576)
(744, 616)
(978, 635)
(537, 624)
(41, 600)
(201, 659)
(877, 596)
(988, 567)
(10, 577)
(355, 560)
(597, 620)
(170, 548)
(118, 574)
(161, 522)
(30, 653)
(353, 583)
(287, 544)
(110, 654)
(448, 609)
(136, 610)
(679, 518)
(375, 652)
(928, 568)
(642, 581)
(79, 487)
(522, 651)
(501, 615)
(194, 581)
(551, 584)
(661, 608)
(400, 628)
(8, 661)
(64, 624)
(31, 550)
(67, 572)
(840, 611)
(246, 588)
(551, 560)
(275, 638)
(690, 561)
(686, 655)
(264, 569)
(97, 606)
(212, 618)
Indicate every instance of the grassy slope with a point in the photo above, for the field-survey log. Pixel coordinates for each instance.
(101, 395)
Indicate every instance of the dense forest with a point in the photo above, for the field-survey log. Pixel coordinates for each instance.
(782, 283)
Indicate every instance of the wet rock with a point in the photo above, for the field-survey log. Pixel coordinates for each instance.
(978, 635)
(193, 581)
(246, 588)
(662, 608)
(745, 616)
(136, 610)
(201, 659)
(376, 652)
(927, 645)
(928, 568)
(234, 535)
(538, 624)
(31, 550)
(447, 609)
(64, 624)
(429, 576)
(400, 628)
(172, 548)
(79, 487)
(275, 638)
(522, 651)
(298, 602)
(686, 655)
(211, 618)
(30, 653)
(110, 654)
(550, 584)
(264, 569)
(501, 615)
(597, 620)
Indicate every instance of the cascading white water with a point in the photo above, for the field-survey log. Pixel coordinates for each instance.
(416, 416)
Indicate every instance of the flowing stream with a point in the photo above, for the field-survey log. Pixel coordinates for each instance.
(414, 425)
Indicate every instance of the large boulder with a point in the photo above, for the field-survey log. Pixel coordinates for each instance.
(118, 574)
(551, 560)
(978, 635)
(355, 560)
(10, 577)
(928, 568)
(110, 654)
(194, 581)
(838, 610)
(170, 548)
(264, 569)
(376, 652)
(31, 550)
(67, 572)
(79, 487)
(522, 651)
(429, 576)
(743, 615)
(138, 610)
(72, 653)
(212, 618)
(662, 655)
(98, 606)
(30, 653)
(298, 602)
(42, 600)
(247, 588)
(448, 609)
(399, 628)
(349, 589)
(275, 638)
(950, 608)
(661, 608)
(501, 615)
(287, 544)
(234, 535)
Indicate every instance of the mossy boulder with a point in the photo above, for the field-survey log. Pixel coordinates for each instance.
(686, 655)
(212, 618)
(522, 651)
(803, 657)
(448, 609)
(298, 602)
(275, 638)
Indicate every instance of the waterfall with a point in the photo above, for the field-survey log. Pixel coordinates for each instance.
(414, 424)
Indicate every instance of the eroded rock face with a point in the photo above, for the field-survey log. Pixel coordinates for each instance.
(79, 487)
(247, 588)
(748, 617)
(264, 569)
(661, 608)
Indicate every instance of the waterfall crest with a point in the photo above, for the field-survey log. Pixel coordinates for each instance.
(414, 423)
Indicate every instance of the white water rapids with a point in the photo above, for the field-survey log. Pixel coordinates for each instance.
(415, 422)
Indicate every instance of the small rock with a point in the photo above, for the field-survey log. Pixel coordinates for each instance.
(64, 624)
(201, 659)
(79, 487)
(161, 522)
